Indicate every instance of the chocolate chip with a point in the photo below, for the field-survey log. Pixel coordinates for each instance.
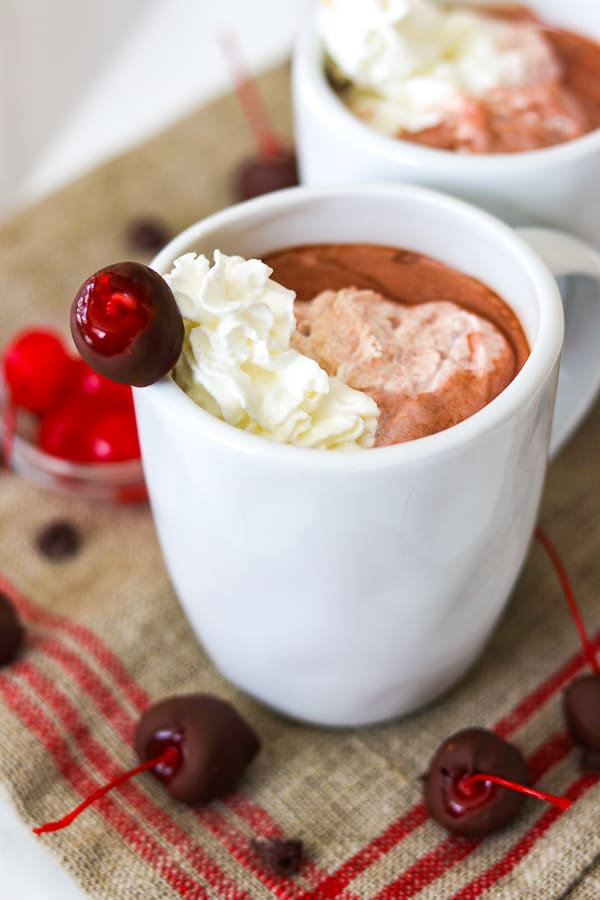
(284, 857)
(264, 174)
(12, 632)
(147, 235)
(58, 541)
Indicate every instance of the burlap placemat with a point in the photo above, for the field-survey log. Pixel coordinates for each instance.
(106, 636)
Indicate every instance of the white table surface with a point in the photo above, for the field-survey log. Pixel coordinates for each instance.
(156, 60)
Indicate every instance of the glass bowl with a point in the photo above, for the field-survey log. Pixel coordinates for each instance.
(118, 482)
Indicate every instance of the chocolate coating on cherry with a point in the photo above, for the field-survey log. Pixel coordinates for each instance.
(12, 633)
(265, 173)
(126, 324)
(481, 808)
(215, 744)
(581, 704)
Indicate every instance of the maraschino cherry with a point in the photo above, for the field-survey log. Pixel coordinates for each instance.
(477, 783)
(36, 370)
(126, 324)
(581, 699)
(197, 745)
(113, 437)
(102, 392)
(63, 432)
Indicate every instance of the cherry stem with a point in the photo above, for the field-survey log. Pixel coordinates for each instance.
(249, 98)
(168, 757)
(562, 802)
(552, 552)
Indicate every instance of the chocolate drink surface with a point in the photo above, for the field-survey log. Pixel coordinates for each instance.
(431, 345)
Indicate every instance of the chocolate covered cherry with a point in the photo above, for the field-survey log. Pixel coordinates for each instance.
(215, 745)
(196, 744)
(581, 702)
(12, 632)
(126, 324)
(265, 173)
(474, 809)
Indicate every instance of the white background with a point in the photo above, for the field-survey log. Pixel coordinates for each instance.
(79, 81)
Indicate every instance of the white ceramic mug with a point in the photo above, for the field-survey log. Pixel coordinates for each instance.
(345, 588)
(555, 186)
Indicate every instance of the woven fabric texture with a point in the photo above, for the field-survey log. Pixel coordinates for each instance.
(106, 637)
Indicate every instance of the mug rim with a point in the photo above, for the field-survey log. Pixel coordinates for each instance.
(544, 354)
(310, 73)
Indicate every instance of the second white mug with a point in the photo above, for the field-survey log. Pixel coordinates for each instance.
(554, 186)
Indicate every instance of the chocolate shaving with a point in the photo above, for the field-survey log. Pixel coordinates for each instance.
(283, 856)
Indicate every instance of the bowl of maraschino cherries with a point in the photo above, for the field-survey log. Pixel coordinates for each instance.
(64, 425)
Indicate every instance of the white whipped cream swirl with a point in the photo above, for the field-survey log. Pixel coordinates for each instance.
(411, 61)
(238, 365)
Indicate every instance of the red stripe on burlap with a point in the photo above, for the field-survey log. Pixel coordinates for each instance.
(330, 888)
(235, 841)
(445, 856)
(105, 701)
(518, 851)
(33, 717)
(84, 638)
(97, 756)
(380, 846)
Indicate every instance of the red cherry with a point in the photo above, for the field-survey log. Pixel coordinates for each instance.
(63, 432)
(102, 391)
(36, 370)
(126, 324)
(113, 437)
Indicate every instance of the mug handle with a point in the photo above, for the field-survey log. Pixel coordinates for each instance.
(579, 380)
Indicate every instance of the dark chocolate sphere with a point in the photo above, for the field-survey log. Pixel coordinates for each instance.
(581, 702)
(486, 807)
(12, 633)
(263, 174)
(126, 324)
(215, 743)
(58, 540)
(147, 234)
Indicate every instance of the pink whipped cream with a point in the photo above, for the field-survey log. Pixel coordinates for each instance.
(428, 366)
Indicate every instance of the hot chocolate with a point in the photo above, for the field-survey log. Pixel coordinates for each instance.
(429, 344)
(462, 78)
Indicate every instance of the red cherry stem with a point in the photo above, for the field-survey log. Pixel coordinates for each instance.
(249, 98)
(168, 757)
(552, 552)
(562, 802)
